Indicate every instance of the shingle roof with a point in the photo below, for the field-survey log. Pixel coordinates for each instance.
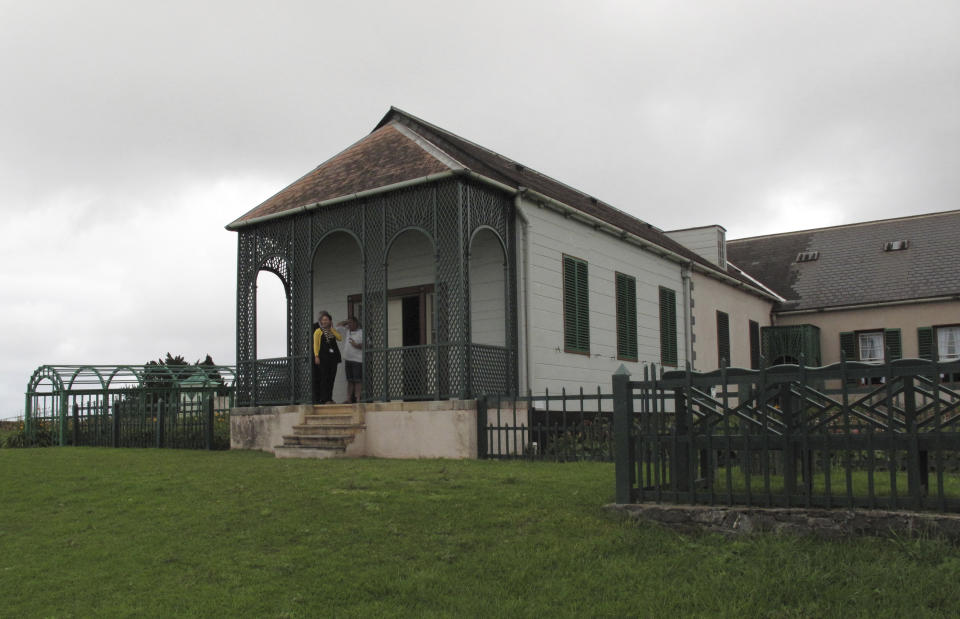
(403, 147)
(852, 267)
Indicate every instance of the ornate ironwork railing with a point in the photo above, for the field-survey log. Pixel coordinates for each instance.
(427, 372)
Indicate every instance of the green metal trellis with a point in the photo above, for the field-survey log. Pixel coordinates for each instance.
(130, 405)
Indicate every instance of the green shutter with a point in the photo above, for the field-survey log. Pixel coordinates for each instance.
(891, 341)
(668, 327)
(723, 339)
(754, 345)
(576, 306)
(848, 346)
(925, 342)
(626, 293)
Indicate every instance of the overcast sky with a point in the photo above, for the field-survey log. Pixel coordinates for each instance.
(132, 132)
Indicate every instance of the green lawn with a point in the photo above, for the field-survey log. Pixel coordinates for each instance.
(88, 531)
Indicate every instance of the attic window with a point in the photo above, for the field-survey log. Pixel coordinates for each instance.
(896, 245)
(808, 256)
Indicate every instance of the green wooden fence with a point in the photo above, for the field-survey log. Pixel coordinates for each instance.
(845, 435)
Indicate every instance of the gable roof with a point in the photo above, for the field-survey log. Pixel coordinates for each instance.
(852, 266)
(403, 149)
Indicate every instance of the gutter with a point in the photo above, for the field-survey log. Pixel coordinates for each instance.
(430, 178)
(525, 226)
(546, 200)
(687, 314)
(843, 308)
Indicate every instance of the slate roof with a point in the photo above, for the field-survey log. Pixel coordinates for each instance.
(852, 267)
(403, 147)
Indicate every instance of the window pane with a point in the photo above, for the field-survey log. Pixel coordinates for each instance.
(948, 343)
(871, 346)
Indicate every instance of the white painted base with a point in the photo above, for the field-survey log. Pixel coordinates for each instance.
(405, 430)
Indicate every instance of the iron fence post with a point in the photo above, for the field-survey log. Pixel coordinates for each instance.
(161, 406)
(482, 427)
(789, 448)
(27, 423)
(623, 435)
(62, 421)
(75, 433)
(917, 470)
(681, 456)
(115, 423)
(208, 431)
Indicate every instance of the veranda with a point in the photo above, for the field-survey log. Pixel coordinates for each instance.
(427, 266)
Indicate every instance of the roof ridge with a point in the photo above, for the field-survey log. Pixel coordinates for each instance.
(856, 224)
(506, 160)
(432, 149)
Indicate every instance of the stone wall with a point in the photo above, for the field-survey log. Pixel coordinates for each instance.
(826, 523)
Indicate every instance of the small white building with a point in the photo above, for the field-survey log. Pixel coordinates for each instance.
(473, 274)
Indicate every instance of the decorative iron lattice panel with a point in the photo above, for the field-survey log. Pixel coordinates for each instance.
(374, 299)
(490, 369)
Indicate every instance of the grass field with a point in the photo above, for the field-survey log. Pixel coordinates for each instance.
(88, 531)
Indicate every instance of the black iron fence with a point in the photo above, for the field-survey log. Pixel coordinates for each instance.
(425, 372)
(558, 427)
(845, 435)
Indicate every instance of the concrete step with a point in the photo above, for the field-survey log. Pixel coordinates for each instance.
(322, 442)
(328, 429)
(297, 451)
(328, 419)
(335, 409)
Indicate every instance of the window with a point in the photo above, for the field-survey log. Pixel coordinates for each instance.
(668, 327)
(754, 345)
(945, 340)
(723, 339)
(871, 346)
(576, 306)
(948, 343)
(626, 292)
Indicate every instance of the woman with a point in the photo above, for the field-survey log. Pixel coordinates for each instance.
(326, 357)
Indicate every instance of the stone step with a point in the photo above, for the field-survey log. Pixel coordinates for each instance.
(335, 409)
(323, 420)
(323, 442)
(350, 429)
(299, 451)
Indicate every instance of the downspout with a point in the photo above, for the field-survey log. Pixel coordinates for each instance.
(525, 239)
(685, 271)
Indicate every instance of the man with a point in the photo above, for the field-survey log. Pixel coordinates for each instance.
(352, 356)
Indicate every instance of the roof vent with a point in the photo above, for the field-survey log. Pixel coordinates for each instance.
(808, 256)
(896, 245)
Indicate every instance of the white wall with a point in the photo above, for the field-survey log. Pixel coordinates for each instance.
(550, 236)
(708, 242)
(410, 261)
(337, 274)
(487, 292)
